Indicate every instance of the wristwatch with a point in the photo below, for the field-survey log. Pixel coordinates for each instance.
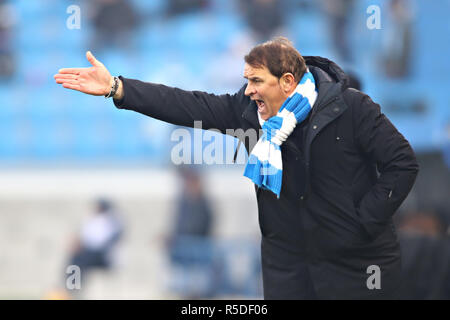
(114, 88)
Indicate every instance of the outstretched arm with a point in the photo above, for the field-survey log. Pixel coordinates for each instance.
(165, 103)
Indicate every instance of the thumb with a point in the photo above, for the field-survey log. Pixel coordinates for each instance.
(92, 59)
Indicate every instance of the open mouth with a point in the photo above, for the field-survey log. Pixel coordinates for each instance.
(261, 105)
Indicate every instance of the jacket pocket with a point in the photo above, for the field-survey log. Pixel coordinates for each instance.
(374, 228)
(339, 229)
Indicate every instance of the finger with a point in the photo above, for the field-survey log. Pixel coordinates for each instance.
(71, 86)
(92, 59)
(73, 81)
(68, 81)
(70, 70)
(58, 80)
(65, 76)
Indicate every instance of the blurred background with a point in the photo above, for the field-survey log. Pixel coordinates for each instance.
(83, 183)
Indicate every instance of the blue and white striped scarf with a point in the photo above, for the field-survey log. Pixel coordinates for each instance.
(265, 166)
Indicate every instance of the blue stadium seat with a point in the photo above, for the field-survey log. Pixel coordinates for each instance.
(51, 123)
(11, 142)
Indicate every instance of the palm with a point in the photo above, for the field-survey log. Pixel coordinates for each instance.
(95, 80)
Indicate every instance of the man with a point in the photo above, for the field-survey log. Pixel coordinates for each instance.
(96, 245)
(327, 229)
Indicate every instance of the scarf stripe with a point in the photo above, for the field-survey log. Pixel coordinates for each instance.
(265, 165)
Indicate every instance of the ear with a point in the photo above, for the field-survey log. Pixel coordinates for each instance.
(287, 82)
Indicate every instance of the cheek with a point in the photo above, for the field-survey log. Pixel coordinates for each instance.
(272, 97)
(274, 92)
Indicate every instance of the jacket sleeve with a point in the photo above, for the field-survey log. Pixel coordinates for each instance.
(182, 107)
(383, 145)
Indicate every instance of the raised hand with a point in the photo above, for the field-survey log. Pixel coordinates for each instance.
(95, 80)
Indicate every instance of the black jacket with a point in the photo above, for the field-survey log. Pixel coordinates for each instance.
(346, 169)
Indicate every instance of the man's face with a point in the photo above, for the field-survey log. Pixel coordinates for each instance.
(264, 88)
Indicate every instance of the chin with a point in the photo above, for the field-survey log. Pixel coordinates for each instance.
(263, 116)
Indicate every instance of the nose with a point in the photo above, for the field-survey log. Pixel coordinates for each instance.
(249, 90)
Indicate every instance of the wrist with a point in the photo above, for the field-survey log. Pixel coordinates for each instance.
(111, 84)
(119, 93)
(114, 85)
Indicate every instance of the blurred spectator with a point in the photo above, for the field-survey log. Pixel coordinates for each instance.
(354, 81)
(114, 22)
(194, 215)
(425, 223)
(446, 152)
(229, 64)
(339, 13)
(176, 7)
(96, 244)
(432, 185)
(396, 54)
(190, 247)
(264, 17)
(425, 257)
(7, 22)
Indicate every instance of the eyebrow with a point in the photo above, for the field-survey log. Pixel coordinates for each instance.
(252, 78)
